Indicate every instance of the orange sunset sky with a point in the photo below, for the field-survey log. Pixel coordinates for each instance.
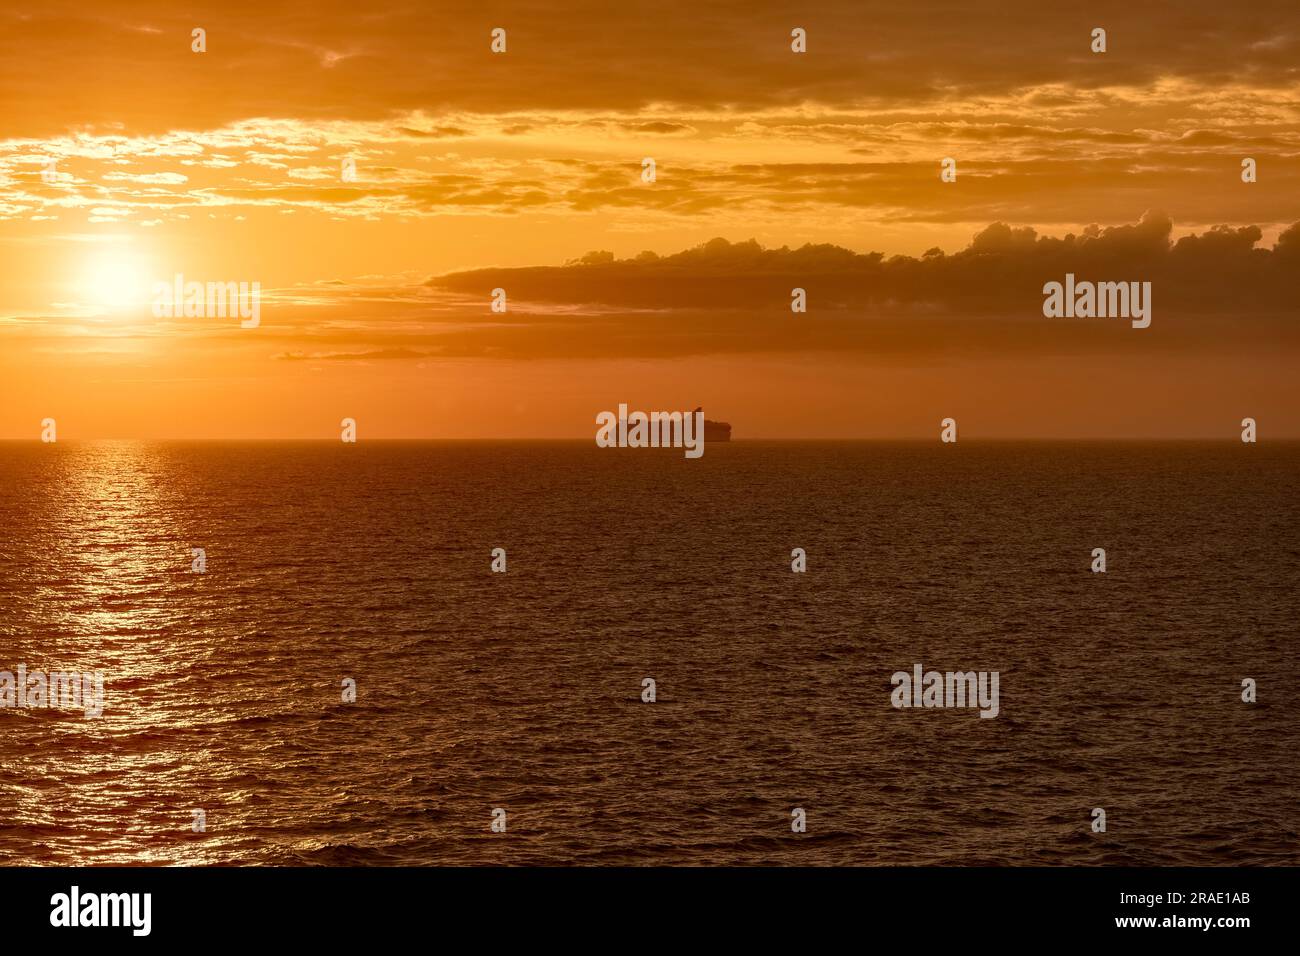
(126, 158)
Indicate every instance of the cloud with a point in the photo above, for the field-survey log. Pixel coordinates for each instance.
(1215, 291)
(371, 356)
(1002, 269)
(439, 132)
(129, 61)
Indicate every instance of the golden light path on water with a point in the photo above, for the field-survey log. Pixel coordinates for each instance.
(116, 575)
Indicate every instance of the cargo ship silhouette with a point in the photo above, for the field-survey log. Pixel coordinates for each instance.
(715, 431)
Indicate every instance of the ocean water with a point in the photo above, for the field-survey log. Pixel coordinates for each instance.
(522, 690)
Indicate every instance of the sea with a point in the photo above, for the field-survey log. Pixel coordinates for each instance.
(520, 698)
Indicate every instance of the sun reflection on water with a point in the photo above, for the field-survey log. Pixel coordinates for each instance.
(106, 569)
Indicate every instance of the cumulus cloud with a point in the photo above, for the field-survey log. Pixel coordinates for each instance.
(1213, 292)
(1001, 271)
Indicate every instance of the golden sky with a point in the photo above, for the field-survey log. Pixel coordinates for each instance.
(126, 158)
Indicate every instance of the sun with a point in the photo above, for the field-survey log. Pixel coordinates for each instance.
(114, 280)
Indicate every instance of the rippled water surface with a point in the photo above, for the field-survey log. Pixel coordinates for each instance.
(522, 690)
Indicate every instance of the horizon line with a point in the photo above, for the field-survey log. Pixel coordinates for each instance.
(1129, 440)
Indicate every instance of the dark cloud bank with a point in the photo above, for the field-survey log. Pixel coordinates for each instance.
(1217, 291)
(1002, 270)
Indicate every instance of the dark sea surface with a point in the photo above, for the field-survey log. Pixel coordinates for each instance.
(523, 690)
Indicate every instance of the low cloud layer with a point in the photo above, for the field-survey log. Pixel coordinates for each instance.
(1003, 269)
(1217, 289)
